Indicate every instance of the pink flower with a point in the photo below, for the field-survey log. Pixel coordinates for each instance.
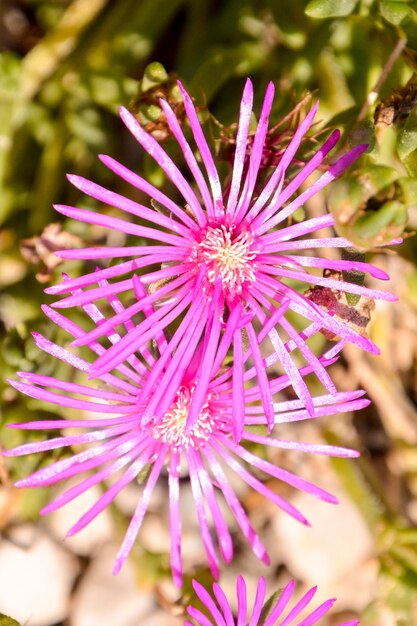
(280, 615)
(218, 257)
(124, 441)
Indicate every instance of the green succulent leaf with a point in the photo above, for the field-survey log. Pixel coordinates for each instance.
(407, 143)
(330, 8)
(376, 228)
(7, 621)
(269, 605)
(395, 12)
(408, 187)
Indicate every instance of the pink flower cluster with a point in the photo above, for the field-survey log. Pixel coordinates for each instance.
(200, 341)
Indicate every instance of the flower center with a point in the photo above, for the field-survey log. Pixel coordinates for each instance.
(171, 428)
(227, 257)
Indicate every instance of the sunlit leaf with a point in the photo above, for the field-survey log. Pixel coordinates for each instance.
(7, 621)
(330, 8)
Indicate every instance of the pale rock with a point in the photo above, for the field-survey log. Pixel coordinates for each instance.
(154, 534)
(91, 538)
(160, 618)
(107, 600)
(337, 553)
(36, 577)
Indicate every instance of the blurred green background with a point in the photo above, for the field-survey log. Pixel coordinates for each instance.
(66, 67)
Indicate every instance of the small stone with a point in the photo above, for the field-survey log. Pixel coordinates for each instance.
(160, 618)
(337, 553)
(91, 538)
(36, 577)
(107, 600)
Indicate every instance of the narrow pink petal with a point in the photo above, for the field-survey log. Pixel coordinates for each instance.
(189, 157)
(92, 480)
(238, 387)
(78, 463)
(296, 230)
(318, 613)
(236, 508)
(166, 356)
(202, 518)
(55, 383)
(205, 152)
(241, 146)
(256, 484)
(291, 369)
(114, 223)
(296, 610)
(200, 618)
(62, 400)
(174, 517)
(278, 174)
(283, 600)
(309, 261)
(139, 514)
(256, 155)
(310, 167)
(129, 206)
(108, 252)
(142, 184)
(242, 601)
(263, 382)
(92, 295)
(71, 440)
(69, 423)
(307, 244)
(200, 391)
(281, 474)
(222, 531)
(207, 600)
(332, 173)
(309, 356)
(340, 285)
(110, 494)
(233, 323)
(165, 393)
(141, 293)
(132, 310)
(224, 604)
(258, 604)
(137, 338)
(153, 148)
(312, 448)
(301, 414)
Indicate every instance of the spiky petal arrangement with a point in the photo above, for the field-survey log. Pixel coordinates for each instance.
(281, 613)
(220, 256)
(123, 442)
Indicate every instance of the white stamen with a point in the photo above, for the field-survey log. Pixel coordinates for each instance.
(227, 257)
(171, 428)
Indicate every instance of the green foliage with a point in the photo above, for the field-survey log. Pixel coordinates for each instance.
(330, 8)
(268, 606)
(60, 92)
(7, 621)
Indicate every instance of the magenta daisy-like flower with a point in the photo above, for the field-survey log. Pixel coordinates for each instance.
(121, 443)
(215, 255)
(282, 613)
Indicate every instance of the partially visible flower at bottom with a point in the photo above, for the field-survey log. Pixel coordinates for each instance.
(122, 444)
(280, 614)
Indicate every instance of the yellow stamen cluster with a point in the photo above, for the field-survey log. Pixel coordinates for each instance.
(227, 257)
(171, 428)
